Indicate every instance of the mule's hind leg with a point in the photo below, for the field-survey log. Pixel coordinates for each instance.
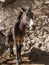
(17, 52)
(11, 50)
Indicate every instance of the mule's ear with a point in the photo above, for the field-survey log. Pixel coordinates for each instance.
(20, 9)
(23, 9)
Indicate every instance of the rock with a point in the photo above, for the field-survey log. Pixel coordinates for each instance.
(47, 46)
(33, 42)
(27, 39)
(6, 2)
(2, 0)
(31, 36)
(47, 39)
(2, 27)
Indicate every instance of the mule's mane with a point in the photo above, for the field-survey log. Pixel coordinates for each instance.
(20, 16)
(17, 29)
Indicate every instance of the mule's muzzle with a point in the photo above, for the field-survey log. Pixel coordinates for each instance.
(31, 24)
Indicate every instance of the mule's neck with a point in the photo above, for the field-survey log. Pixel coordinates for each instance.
(22, 22)
(17, 28)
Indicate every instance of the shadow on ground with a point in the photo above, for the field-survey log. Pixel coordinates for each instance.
(37, 56)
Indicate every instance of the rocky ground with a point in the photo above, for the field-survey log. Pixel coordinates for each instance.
(36, 42)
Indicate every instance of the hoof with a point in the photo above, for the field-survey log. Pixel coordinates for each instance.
(18, 60)
(11, 55)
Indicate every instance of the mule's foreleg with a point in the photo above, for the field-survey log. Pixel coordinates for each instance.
(18, 50)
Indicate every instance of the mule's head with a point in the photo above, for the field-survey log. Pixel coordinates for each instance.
(27, 18)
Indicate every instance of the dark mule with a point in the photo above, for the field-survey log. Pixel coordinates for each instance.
(17, 32)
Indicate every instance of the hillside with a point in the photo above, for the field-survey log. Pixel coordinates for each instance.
(36, 42)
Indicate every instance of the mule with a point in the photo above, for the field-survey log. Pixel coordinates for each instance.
(17, 32)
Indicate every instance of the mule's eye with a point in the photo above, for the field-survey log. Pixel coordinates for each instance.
(28, 16)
